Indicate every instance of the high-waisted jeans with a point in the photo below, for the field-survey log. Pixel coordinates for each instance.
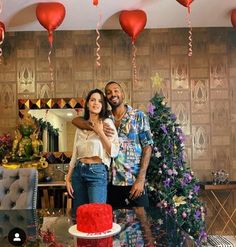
(89, 182)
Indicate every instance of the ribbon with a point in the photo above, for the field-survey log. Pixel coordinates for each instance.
(1, 42)
(1, 4)
(2, 32)
(97, 39)
(134, 64)
(51, 70)
(190, 46)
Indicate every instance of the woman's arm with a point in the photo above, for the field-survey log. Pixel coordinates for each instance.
(68, 182)
(71, 167)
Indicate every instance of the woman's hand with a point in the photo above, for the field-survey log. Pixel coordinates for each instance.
(69, 188)
(97, 127)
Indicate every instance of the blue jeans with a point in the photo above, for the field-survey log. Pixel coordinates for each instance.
(89, 182)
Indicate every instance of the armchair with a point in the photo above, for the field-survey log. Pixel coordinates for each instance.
(18, 188)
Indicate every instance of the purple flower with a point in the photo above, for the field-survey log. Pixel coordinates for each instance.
(167, 182)
(187, 177)
(202, 236)
(151, 108)
(183, 183)
(196, 189)
(197, 214)
(163, 127)
(173, 116)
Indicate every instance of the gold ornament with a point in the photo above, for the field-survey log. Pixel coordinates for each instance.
(156, 81)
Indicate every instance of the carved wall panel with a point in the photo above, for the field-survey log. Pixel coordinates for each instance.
(162, 89)
(8, 99)
(122, 51)
(218, 72)
(201, 90)
(83, 51)
(26, 76)
(103, 73)
(221, 158)
(182, 111)
(44, 90)
(143, 72)
(179, 72)
(159, 49)
(200, 96)
(220, 117)
(232, 95)
(201, 142)
(63, 75)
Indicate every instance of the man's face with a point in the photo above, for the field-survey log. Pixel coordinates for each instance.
(114, 94)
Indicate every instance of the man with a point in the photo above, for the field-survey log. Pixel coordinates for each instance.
(127, 188)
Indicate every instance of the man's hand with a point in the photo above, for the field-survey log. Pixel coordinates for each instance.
(109, 132)
(137, 189)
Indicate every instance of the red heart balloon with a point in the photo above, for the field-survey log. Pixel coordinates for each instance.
(133, 22)
(2, 32)
(233, 17)
(50, 16)
(185, 3)
(95, 2)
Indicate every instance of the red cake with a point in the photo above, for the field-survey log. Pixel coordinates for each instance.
(94, 217)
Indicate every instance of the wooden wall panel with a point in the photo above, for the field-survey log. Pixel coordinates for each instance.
(200, 89)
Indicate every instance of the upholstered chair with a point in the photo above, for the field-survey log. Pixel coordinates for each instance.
(18, 188)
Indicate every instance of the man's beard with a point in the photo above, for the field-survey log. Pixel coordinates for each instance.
(115, 105)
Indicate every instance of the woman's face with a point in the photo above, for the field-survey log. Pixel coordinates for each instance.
(95, 103)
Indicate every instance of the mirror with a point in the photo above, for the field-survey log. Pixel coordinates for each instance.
(57, 114)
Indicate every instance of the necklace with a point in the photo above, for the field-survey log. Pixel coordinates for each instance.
(119, 118)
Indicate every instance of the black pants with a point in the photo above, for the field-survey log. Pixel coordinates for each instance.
(118, 197)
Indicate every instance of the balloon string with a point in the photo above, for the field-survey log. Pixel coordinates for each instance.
(190, 45)
(97, 39)
(2, 32)
(3, 36)
(1, 4)
(134, 64)
(51, 70)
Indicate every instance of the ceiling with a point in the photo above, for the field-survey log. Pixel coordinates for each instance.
(19, 15)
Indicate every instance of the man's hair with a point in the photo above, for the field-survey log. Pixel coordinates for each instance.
(113, 82)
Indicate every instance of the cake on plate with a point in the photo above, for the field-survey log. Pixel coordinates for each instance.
(103, 242)
(94, 218)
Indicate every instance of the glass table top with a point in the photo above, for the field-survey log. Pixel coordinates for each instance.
(139, 227)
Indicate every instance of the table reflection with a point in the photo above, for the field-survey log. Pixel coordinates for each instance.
(50, 228)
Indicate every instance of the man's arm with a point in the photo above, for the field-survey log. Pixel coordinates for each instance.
(138, 186)
(81, 123)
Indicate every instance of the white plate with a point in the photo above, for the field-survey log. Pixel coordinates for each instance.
(114, 230)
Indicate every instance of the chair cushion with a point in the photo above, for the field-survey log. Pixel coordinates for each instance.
(18, 188)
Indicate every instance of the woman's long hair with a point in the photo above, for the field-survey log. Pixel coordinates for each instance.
(104, 111)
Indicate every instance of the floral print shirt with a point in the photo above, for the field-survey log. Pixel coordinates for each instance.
(134, 133)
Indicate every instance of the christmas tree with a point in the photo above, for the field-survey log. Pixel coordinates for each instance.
(172, 185)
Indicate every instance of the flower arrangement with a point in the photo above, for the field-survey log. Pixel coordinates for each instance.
(5, 145)
(172, 185)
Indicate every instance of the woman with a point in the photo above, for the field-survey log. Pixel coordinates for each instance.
(87, 176)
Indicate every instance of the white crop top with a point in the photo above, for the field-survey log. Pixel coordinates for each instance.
(88, 144)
